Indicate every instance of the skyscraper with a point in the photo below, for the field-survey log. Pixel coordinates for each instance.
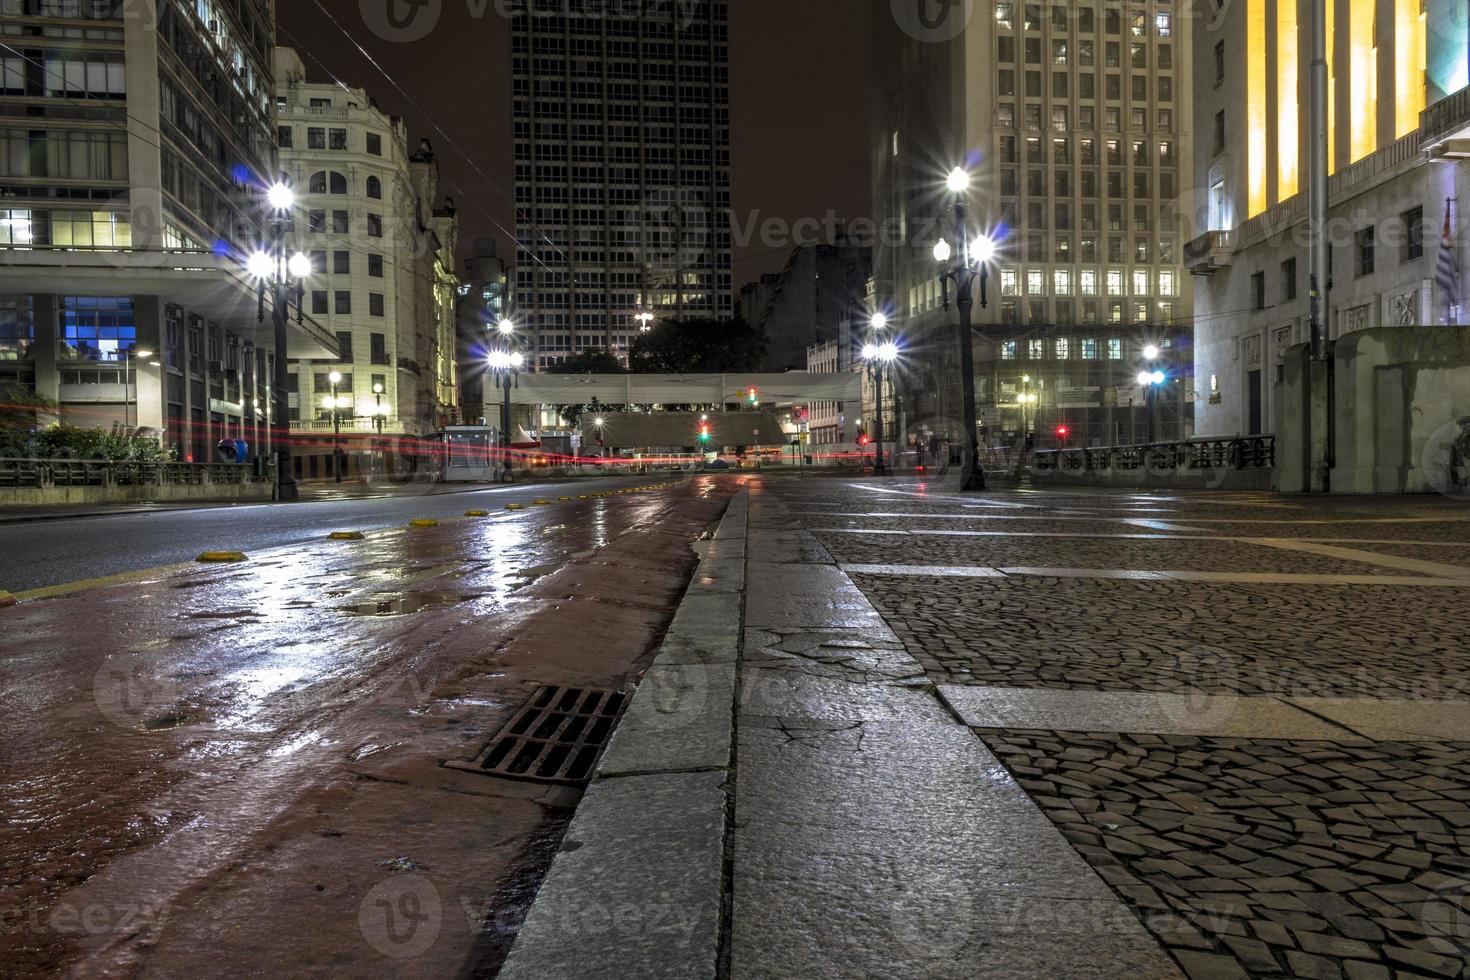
(622, 169)
(135, 152)
(1073, 121)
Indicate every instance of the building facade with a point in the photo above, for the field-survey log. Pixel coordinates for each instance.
(135, 159)
(805, 304)
(485, 298)
(1073, 122)
(383, 279)
(622, 170)
(1398, 122)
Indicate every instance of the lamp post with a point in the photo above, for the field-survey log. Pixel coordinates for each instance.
(1150, 381)
(877, 357)
(284, 277)
(378, 414)
(336, 403)
(130, 382)
(645, 322)
(506, 366)
(970, 262)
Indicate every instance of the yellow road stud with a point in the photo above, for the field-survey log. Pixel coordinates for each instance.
(477, 513)
(346, 536)
(563, 499)
(541, 503)
(222, 556)
(515, 506)
(423, 522)
(6, 599)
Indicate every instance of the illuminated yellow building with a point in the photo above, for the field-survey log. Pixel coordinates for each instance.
(1377, 64)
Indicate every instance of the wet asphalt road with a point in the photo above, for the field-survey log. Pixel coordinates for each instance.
(55, 552)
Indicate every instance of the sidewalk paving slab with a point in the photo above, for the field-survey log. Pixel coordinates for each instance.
(1137, 712)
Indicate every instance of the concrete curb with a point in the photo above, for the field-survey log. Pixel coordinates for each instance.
(639, 881)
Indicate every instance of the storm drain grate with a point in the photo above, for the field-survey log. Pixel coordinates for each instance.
(555, 737)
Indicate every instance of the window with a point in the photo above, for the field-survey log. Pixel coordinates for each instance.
(1115, 282)
(316, 139)
(375, 304)
(97, 328)
(375, 144)
(1141, 282)
(316, 222)
(1089, 348)
(1288, 280)
(343, 302)
(375, 225)
(1005, 49)
(341, 263)
(338, 139)
(1062, 282)
(1366, 247)
(1413, 234)
(339, 222)
(1115, 347)
(1008, 350)
(379, 344)
(318, 261)
(1258, 291)
(317, 184)
(338, 183)
(318, 302)
(1035, 282)
(375, 266)
(1166, 282)
(1166, 56)
(1220, 131)
(1005, 16)
(1035, 349)
(344, 348)
(1164, 24)
(1008, 282)
(1087, 279)
(285, 137)
(1220, 62)
(1033, 51)
(1006, 82)
(375, 188)
(1166, 88)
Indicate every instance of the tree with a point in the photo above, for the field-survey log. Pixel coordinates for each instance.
(19, 410)
(591, 362)
(698, 347)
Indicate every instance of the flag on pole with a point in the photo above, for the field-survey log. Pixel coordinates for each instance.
(1447, 269)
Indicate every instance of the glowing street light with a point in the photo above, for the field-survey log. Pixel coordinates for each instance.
(982, 250)
(645, 322)
(961, 270)
(260, 266)
(299, 266)
(280, 196)
(879, 321)
(1150, 353)
(958, 181)
(877, 356)
(506, 326)
(942, 251)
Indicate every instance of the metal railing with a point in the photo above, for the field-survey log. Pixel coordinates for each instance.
(43, 473)
(1232, 453)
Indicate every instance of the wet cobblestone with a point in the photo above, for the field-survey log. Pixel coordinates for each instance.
(1269, 858)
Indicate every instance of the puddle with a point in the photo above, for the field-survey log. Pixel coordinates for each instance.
(406, 604)
(164, 723)
(227, 614)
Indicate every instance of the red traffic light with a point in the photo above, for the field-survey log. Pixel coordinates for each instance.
(863, 440)
(1063, 432)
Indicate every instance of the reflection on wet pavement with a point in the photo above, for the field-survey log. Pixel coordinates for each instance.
(150, 730)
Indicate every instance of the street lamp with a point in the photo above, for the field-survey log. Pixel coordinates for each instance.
(878, 321)
(379, 415)
(335, 378)
(645, 322)
(1150, 382)
(506, 366)
(970, 264)
(284, 277)
(130, 381)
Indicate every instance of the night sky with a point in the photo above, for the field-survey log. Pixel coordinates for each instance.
(797, 93)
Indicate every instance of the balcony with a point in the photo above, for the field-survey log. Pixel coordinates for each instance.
(1208, 252)
(1444, 128)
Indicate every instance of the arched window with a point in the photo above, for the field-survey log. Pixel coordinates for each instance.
(339, 183)
(318, 183)
(374, 188)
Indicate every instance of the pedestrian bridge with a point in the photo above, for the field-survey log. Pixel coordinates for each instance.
(795, 387)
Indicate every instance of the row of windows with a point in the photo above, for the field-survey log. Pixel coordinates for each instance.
(339, 302)
(1061, 119)
(1089, 185)
(321, 138)
(1065, 312)
(1063, 349)
(342, 263)
(1089, 282)
(1405, 234)
(1088, 151)
(1083, 19)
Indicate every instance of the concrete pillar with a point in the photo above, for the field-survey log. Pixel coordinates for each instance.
(46, 350)
(145, 164)
(147, 396)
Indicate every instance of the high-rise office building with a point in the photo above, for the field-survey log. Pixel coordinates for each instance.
(622, 170)
(136, 143)
(1073, 121)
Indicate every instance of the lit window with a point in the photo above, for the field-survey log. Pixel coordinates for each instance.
(1115, 282)
(1115, 345)
(1214, 383)
(1008, 282)
(1140, 282)
(1003, 16)
(1165, 24)
(1008, 350)
(1088, 280)
(1166, 283)
(1035, 283)
(1062, 282)
(1089, 349)
(1063, 348)
(1036, 349)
